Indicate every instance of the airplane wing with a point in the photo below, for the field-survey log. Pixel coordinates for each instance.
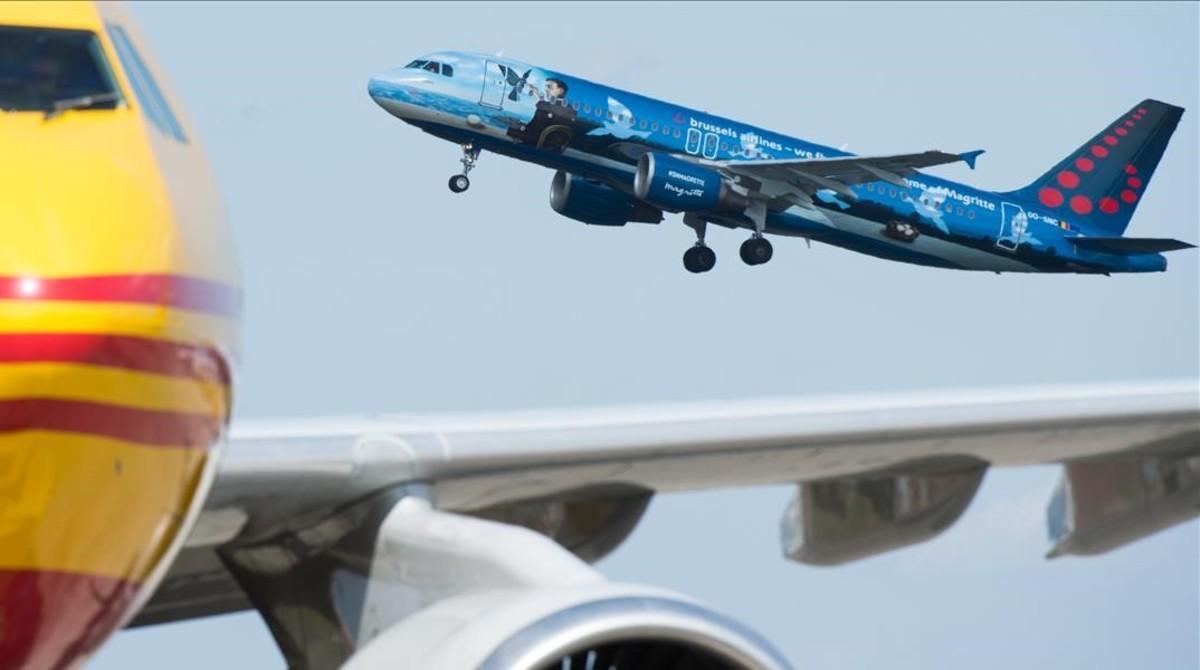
(299, 504)
(836, 174)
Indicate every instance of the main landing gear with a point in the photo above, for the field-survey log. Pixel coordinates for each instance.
(700, 258)
(459, 182)
(756, 250)
(898, 230)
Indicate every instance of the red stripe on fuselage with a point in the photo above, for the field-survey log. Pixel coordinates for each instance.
(148, 427)
(50, 619)
(117, 351)
(189, 293)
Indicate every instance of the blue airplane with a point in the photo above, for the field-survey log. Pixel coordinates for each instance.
(622, 157)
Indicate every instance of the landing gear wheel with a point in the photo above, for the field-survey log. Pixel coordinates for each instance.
(756, 251)
(905, 232)
(459, 183)
(699, 259)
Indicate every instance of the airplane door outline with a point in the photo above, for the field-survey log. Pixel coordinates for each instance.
(495, 85)
(693, 141)
(711, 142)
(1014, 224)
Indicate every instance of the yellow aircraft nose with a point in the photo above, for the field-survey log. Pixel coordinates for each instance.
(114, 387)
(118, 318)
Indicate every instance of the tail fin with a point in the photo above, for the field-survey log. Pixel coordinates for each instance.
(1100, 183)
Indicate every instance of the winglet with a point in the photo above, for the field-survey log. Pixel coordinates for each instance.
(970, 156)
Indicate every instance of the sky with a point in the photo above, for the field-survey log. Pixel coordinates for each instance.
(370, 287)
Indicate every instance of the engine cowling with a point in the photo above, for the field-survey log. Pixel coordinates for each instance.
(601, 625)
(677, 185)
(596, 203)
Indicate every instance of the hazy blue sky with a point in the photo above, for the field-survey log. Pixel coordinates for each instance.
(370, 287)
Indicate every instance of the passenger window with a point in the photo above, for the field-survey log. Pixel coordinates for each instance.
(724, 146)
(642, 124)
(949, 209)
(678, 133)
(959, 211)
(654, 127)
(154, 104)
(871, 187)
(970, 214)
(667, 131)
(447, 70)
(587, 108)
(710, 145)
(693, 141)
(892, 193)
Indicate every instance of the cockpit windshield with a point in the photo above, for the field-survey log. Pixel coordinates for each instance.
(48, 69)
(444, 69)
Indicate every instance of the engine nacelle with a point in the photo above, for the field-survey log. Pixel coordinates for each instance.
(676, 185)
(596, 203)
(600, 625)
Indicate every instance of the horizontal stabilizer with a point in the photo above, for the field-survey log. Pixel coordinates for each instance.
(970, 156)
(1130, 245)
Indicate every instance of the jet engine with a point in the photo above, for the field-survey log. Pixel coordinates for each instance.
(676, 185)
(596, 203)
(599, 625)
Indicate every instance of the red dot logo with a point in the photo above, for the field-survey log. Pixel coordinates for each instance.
(1121, 131)
(1130, 169)
(1129, 196)
(1081, 204)
(1050, 196)
(1142, 110)
(1134, 182)
(1084, 164)
(1099, 151)
(1130, 124)
(1068, 179)
(1109, 205)
(1110, 140)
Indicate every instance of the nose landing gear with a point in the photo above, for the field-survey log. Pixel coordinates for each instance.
(459, 182)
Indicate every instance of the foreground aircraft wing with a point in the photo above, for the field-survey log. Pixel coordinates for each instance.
(836, 174)
(872, 473)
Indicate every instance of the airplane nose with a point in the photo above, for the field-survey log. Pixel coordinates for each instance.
(376, 88)
(117, 317)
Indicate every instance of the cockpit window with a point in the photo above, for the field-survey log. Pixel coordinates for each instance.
(154, 103)
(431, 66)
(51, 70)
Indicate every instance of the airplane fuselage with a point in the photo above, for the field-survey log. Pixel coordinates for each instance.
(507, 107)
